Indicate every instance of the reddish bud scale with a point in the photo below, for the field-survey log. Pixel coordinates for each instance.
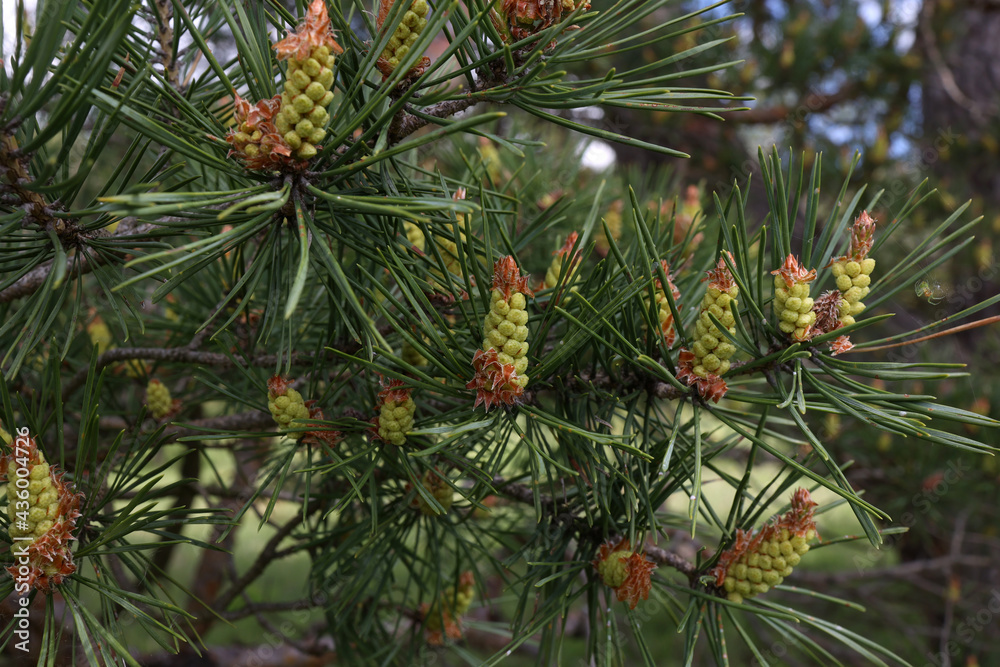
(526, 17)
(255, 140)
(47, 520)
(624, 570)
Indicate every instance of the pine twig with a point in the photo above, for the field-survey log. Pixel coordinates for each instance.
(664, 557)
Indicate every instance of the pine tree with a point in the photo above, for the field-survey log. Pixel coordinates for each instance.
(267, 316)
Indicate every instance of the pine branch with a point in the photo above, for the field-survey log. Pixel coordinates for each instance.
(406, 123)
(184, 355)
(675, 561)
(814, 102)
(78, 265)
(267, 555)
(13, 167)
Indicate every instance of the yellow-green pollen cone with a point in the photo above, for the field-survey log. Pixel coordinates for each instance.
(303, 115)
(414, 235)
(614, 569)
(756, 563)
(395, 419)
(712, 350)
(43, 509)
(437, 487)
(506, 332)
(663, 313)
(792, 303)
(285, 403)
(853, 271)
(853, 279)
(43, 501)
(556, 266)
(767, 566)
(405, 36)
(158, 399)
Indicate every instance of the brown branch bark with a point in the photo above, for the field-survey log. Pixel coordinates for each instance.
(524, 493)
(664, 557)
(405, 123)
(76, 266)
(811, 103)
(265, 558)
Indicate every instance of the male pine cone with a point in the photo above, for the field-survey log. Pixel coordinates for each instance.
(309, 51)
(506, 332)
(303, 115)
(405, 36)
(753, 565)
(158, 399)
(285, 403)
(439, 489)
(792, 302)
(43, 510)
(396, 410)
(853, 271)
(712, 350)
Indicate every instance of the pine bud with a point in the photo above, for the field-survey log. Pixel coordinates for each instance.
(310, 52)
(255, 140)
(792, 303)
(412, 356)
(43, 510)
(556, 266)
(501, 363)
(710, 353)
(405, 36)
(100, 335)
(158, 399)
(523, 18)
(443, 618)
(396, 409)
(624, 570)
(285, 403)
(437, 487)
(663, 314)
(756, 563)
